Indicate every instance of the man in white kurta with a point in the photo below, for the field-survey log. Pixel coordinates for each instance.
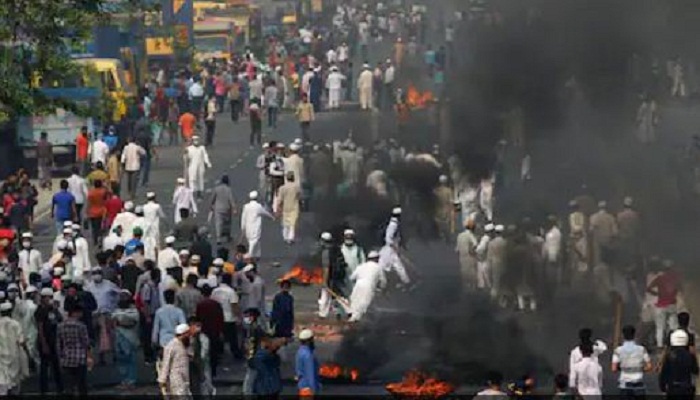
(197, 163)
(486, 198)
(295, 164)
(367, 278)
(174, 372)
(81, 259)
(153, 213)
(168, 257)
(183, 197)
(364, 85)
(389, 254)
(466, 249)
(28, 259)
(251, 223)
(288, 205)
(351, 163)
(483, 273)
(125, 219)
(353, 254)
(334, 84)
(24, 314)
(10, 351)
(376, 182)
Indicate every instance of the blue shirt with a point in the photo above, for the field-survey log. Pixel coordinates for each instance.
(164, 323)
(307, 369)
(131, 245)
(111, 141)
(63, 202)
(429, 57)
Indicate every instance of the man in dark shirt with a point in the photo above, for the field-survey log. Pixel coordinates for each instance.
(679, 367)
(47, 319)
(185, 231)
(211, 314)
(282, 318)
(130, 274)
(203, 248)
(73, 347)
(145, 140)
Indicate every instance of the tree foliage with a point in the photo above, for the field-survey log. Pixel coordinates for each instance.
(34, 37)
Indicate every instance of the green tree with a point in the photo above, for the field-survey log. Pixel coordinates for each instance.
(34, 38)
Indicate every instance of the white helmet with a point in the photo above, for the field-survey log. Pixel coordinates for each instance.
(679, 338)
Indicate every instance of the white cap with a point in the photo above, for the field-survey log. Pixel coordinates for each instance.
(76, 227)
(627, 202)
(67, 224)
(294, 147)
(602, 204)
(27, 235)
(499, 228)
(306, 334)
(67, 230)
(184, 252)
(348, 232)
(326, 236)
(47, 291)
(129, 205)
(443, 179)
(181, 180)
(253, 195)
(365, 66)
(195, 258)
(6, 306)
(373, 254)
(182, 329)
(170, 240)
(139, 210)
(30, 289)
(150, 195)
(489, 228)
(218, 262)
(298, 141)
(679, 338)
(266, 145)
(280, 145)
(396, 211)
(96, 270)
(249, 268)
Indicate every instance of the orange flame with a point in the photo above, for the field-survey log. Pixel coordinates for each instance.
(416, 99)
(301, 275)
(418, 384)
(335, 371)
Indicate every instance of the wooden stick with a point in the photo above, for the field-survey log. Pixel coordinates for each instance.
(618, 320)
(342, 300)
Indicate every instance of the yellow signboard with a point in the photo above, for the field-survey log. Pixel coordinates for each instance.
(177, 5)
(159, 46)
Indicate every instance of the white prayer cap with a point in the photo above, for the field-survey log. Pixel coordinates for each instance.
(68, 231)
(602, 204)
(195, 137)
(326, 236)
(443, 179)
(150, 195)
(12, 286)
(373, 254)
(47, 291)
(294, 147)
(334, 68)
(6, 306)
(306, 334)
(627, 202)
(76, 227)
(499, 228)
(68, 224)
(679, 338)
(280, 145)
(30, 289)
(349, 232)
(139, 210)
(184, 252)
(170, 240)
(298, 141)
(182, 329)
(27, 235)
(489, 228)
(195, 258)
(181, 180)
(266, 145)
(396, 211)
(388, 60)
(253, 195)
(248, 268)
(365, 66)
(129, 205)
(218, 262)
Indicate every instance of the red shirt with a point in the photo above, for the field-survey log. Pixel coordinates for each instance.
(212, 316)
(113, 206)
(6, 234)
(666, 286)
(82, 143)
(7, 202)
